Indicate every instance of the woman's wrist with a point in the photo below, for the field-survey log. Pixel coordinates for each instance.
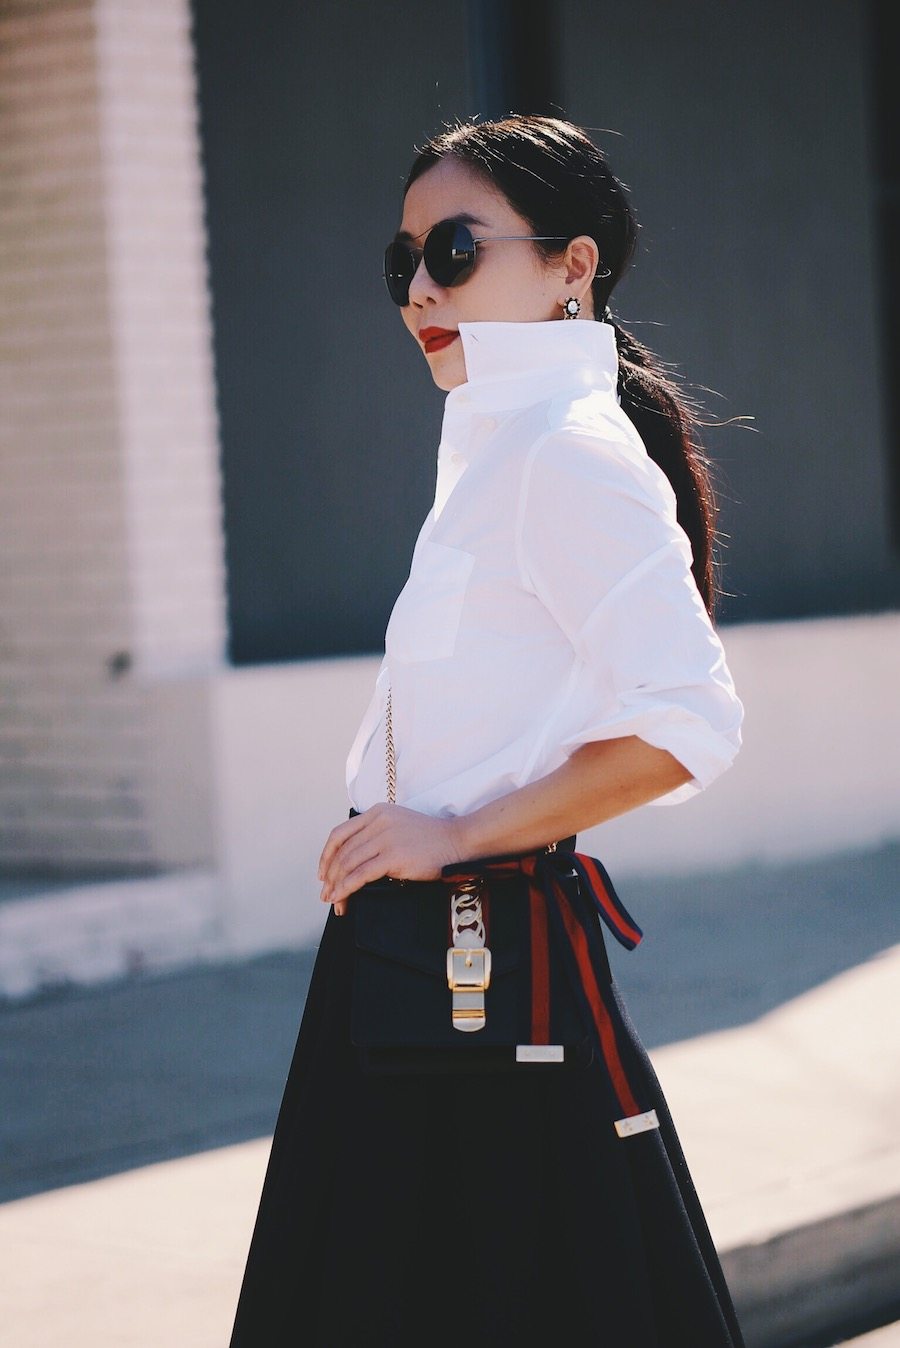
(517, 822)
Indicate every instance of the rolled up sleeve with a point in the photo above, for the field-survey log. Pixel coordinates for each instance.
(600, 546)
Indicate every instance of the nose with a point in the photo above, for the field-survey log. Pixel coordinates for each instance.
(423, 287)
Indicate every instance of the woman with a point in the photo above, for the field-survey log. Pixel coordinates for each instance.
(551, 663)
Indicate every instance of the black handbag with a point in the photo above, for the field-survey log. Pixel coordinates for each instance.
(402, 1001)
(545, 1004)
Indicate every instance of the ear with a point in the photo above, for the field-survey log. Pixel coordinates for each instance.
(581, 263)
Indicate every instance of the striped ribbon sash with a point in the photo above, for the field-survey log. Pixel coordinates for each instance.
(554, 917)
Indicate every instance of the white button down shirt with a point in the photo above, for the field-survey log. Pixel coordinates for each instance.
(550, 600)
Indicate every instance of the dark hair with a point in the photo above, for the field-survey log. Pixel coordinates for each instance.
(560, 182)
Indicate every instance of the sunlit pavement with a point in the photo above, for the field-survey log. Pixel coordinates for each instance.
(888, 1337)
(789, 1128)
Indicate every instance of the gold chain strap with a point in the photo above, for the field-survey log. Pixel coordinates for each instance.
(390, 759)
(391, 762)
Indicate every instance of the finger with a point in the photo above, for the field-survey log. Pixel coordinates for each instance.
(336, 838)
(360, 845)
(355, 852)
(366, 853)
(370, 869)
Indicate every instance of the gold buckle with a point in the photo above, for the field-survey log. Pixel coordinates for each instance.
(468, 975)
(460, 960)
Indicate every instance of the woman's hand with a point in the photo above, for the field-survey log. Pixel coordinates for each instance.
(385, 840)
(599, 780)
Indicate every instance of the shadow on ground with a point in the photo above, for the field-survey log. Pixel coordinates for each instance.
(719, 950)
(99, 1081)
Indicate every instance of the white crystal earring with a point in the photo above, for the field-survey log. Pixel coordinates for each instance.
(571, 307)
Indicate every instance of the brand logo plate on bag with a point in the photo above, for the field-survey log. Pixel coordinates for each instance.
(540, 1053)
(637, 1123)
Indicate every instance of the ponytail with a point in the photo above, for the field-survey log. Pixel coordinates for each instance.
(668, 423)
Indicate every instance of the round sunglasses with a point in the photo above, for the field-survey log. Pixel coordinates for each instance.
(449, 254)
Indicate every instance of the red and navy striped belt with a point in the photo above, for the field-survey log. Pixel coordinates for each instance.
(554, 916)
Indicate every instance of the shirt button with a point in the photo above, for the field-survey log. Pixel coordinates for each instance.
(455, 456)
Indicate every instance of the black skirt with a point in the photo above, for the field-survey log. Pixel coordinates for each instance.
(497, 1210)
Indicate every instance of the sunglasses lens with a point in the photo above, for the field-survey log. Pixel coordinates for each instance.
(449, 253)
(399, 269)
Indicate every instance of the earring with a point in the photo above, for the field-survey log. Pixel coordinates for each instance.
(571, 307)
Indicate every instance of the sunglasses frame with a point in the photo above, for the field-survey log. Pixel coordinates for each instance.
(463, 269)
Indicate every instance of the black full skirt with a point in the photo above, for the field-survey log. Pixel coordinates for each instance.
(440, 1210)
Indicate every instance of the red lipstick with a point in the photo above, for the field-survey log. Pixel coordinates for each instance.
(435, 339)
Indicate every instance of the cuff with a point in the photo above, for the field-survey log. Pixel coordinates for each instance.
(706, 753)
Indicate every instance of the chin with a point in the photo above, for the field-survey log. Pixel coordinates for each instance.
(448, 375)
(446, 383)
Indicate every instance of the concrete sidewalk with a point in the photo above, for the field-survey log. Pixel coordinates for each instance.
(886, 1337)
(789, 1126)
(785, 1107)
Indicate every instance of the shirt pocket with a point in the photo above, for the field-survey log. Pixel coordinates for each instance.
(424, 623)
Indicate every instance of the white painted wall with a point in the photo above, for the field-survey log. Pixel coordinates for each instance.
(256, 758)
(819, 770)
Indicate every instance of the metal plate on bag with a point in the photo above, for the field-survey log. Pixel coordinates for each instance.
(637, 1123)
(540, 1053)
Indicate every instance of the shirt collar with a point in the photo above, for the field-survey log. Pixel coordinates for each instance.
(510, 365)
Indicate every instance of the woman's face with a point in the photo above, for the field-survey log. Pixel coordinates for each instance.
(511, 282)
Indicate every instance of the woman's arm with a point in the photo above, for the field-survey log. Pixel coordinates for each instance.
(600, 780)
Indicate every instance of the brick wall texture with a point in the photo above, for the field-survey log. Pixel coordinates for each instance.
(111, 545)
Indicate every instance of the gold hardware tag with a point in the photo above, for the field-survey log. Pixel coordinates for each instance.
(637, 1123)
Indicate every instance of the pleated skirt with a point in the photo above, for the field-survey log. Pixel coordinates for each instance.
(490, 1211)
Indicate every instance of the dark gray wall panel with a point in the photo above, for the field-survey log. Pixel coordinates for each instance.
(742, 131)
(329, 419)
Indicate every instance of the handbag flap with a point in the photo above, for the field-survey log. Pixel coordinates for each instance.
(409, 925)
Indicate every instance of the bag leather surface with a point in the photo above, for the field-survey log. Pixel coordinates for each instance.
(401, 1003)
